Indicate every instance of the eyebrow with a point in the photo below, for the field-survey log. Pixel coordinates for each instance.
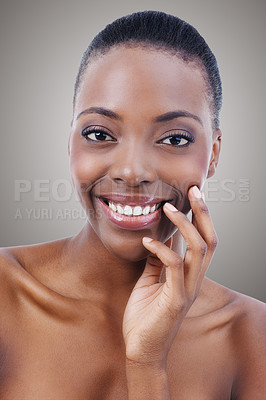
(100, 110)
(161, 118)
(177, 114)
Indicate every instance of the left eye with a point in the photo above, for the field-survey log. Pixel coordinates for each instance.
(175, 140)
(97, 136)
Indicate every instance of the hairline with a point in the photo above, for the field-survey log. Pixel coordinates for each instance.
(192, 60)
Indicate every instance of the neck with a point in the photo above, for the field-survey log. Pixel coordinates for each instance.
(96, 270)
(99, 275)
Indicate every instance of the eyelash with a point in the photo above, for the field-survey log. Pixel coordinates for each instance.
(95, 129)
(181, 135)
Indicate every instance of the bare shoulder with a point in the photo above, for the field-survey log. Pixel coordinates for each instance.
(246, 318)
(20, 263)
(215, 298)
(249, 327)
(10, 278)
(8, 267)
(33, 253)
(249, 335)
(25, 276)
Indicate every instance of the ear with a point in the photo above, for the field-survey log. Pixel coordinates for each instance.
(68, 145)
(216, 148)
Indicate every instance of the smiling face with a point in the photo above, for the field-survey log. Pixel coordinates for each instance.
(141, 135)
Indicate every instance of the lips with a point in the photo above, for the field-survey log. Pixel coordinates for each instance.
(131, 212)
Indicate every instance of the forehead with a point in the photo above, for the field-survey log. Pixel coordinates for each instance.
(143, 80)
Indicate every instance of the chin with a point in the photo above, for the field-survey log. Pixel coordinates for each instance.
(131, 249)
(131, 252)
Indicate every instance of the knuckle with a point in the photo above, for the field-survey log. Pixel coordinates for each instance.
(213, 242)
(178, 308)
(177, 262)
(181, 305)
(154, 260)
(173, 260)
(204, 209)
(201, 248)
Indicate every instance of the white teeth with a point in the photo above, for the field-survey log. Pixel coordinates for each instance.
(112, 206)
(153, 208)
(137, 210)
(128, 210)
(133, 211)
(146, 210)
(120, 210)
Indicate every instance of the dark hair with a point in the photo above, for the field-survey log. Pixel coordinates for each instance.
(161, 31)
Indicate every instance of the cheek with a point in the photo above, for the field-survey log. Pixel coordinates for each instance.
(182, 172)
(84, 169)
(85, 164)
(195, 169)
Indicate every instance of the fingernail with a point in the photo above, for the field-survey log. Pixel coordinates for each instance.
(147, 239)
(203, 196)
(170, 207)
(196, 192)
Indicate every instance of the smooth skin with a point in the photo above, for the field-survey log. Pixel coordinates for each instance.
(112, 313)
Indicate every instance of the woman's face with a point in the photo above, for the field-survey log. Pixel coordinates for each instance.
(141, 135)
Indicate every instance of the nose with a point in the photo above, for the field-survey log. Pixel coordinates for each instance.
(132, 165)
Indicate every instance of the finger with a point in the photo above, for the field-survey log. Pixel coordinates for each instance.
(173, 263)
(175, 243)
(201, 218)
(153, 270)
(196, 247)
(168, 243)
(202, 221)
(153, 275)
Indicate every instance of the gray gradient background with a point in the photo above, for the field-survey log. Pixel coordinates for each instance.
(41, 46)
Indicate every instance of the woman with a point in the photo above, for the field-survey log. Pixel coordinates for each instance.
(119, 311)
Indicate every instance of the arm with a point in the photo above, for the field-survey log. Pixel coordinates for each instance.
(156, 309)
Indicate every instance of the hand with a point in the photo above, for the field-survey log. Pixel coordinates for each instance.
(155, 309)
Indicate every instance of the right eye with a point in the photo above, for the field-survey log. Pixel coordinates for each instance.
(96, 135)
